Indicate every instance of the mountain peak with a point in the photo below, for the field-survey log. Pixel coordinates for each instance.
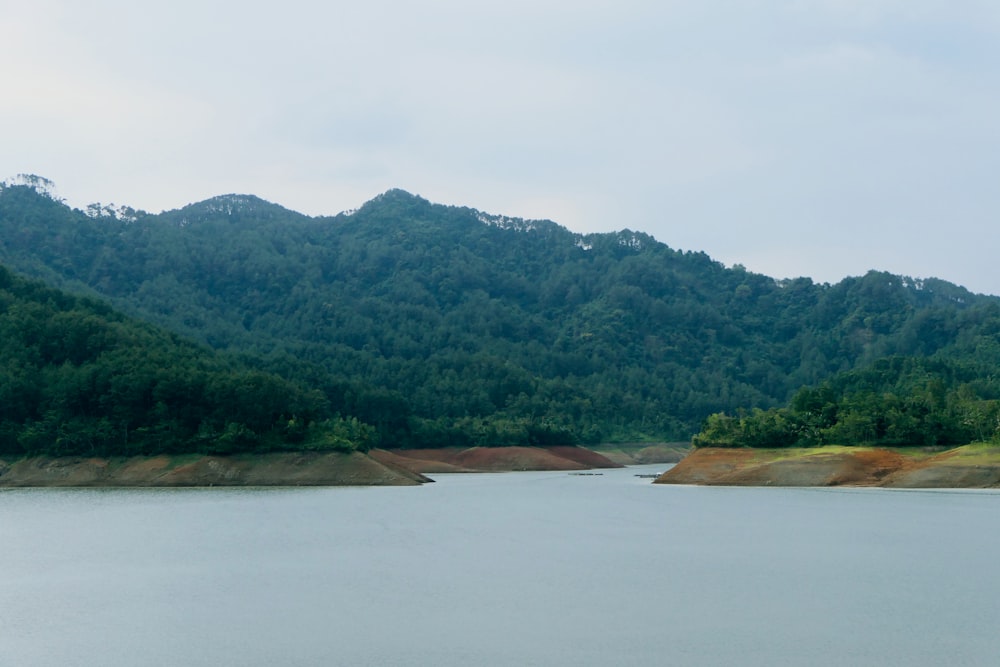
(230, 207)
(399, 194)
(234, 203)
(395, 197)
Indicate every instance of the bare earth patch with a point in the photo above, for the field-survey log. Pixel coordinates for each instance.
(973, 466)
(495, 459)
(641, 453)
(379, 468)
(278, 469)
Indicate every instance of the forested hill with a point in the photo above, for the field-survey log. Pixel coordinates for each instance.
(438, 323)
(79, 379)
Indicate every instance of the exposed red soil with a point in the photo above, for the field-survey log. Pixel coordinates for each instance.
(503, 459)
(863, 467)
(707, 466)
(870, 467)
(583, 456)
(423, 463)
(495, 459)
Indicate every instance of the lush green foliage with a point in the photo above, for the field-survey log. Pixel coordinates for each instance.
(440, 325)
(899, 401)
(77, 378)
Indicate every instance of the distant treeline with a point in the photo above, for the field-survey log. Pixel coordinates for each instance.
(896, 402)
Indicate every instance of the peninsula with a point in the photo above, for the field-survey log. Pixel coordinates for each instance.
(969, 466)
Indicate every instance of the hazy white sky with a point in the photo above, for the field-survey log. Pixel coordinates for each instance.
(797, 137)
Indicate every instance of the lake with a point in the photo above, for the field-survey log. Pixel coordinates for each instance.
(499, 569)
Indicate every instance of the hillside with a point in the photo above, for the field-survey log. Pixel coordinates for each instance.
(79, 379)
(440, 324)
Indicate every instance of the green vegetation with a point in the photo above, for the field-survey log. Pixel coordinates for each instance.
(975, 454)
(895, 402)
(77, 379)
(417, 325)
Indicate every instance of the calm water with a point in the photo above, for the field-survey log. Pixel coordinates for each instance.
(509, 569)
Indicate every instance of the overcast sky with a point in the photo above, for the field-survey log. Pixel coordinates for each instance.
(796, 137)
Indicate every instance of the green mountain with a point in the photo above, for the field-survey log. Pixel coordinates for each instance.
(439, 324)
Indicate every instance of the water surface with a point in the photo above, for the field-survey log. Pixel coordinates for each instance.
(499, 569)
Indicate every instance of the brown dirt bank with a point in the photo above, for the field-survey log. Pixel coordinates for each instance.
(279, 469)
(494, 459)
(972, 466)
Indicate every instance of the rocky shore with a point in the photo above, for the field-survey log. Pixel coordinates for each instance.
(971, 466)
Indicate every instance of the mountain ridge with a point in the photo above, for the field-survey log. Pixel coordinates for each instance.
(438, 323)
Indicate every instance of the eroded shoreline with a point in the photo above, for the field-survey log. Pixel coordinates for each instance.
(971, 466)
(377, 468)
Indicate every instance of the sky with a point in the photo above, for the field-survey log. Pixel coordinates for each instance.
(817, 138)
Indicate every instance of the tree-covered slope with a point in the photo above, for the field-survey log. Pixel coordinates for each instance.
(77, 378)
(442, 323)
(894, 402)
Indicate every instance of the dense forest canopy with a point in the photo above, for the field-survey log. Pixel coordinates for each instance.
(895, 402)
(77, 378)
(444, 325)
